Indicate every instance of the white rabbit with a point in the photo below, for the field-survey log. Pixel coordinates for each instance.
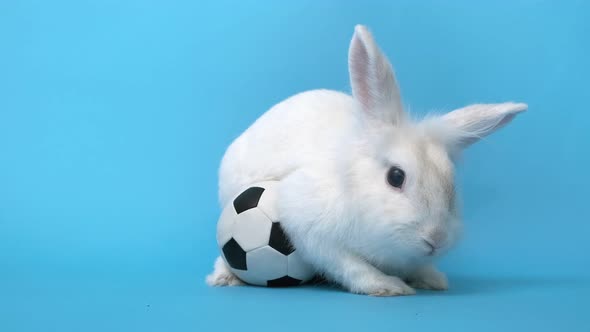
(366, 195)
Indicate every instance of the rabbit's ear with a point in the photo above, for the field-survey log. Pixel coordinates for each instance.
(469, 124)
(372, 79)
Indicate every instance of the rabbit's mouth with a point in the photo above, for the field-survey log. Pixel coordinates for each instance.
(431, 249)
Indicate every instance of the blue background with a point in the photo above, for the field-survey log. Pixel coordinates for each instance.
(114, 116)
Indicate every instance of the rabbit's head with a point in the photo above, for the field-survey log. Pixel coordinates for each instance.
(400, 172)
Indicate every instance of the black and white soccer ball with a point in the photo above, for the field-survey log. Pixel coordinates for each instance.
(253, 243)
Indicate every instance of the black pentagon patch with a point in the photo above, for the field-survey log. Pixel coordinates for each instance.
(248, 199)
(285, 281)
(234, 255)
(279, 240)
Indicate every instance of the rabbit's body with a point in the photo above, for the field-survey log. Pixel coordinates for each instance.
(268, 150)
(366, 195)
(315, 208)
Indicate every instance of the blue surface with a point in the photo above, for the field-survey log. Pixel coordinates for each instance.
(114, 115)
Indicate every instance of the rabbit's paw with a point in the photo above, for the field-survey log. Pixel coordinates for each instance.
(222, 276)
(385, 286)
(429, 278)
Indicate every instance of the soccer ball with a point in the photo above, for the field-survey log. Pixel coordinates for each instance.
(253, 243)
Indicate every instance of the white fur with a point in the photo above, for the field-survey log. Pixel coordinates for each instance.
(331, 154)
(222, 276)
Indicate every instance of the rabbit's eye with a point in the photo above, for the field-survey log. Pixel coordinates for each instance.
(396, 177)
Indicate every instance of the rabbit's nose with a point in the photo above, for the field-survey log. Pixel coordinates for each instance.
(436, 237)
